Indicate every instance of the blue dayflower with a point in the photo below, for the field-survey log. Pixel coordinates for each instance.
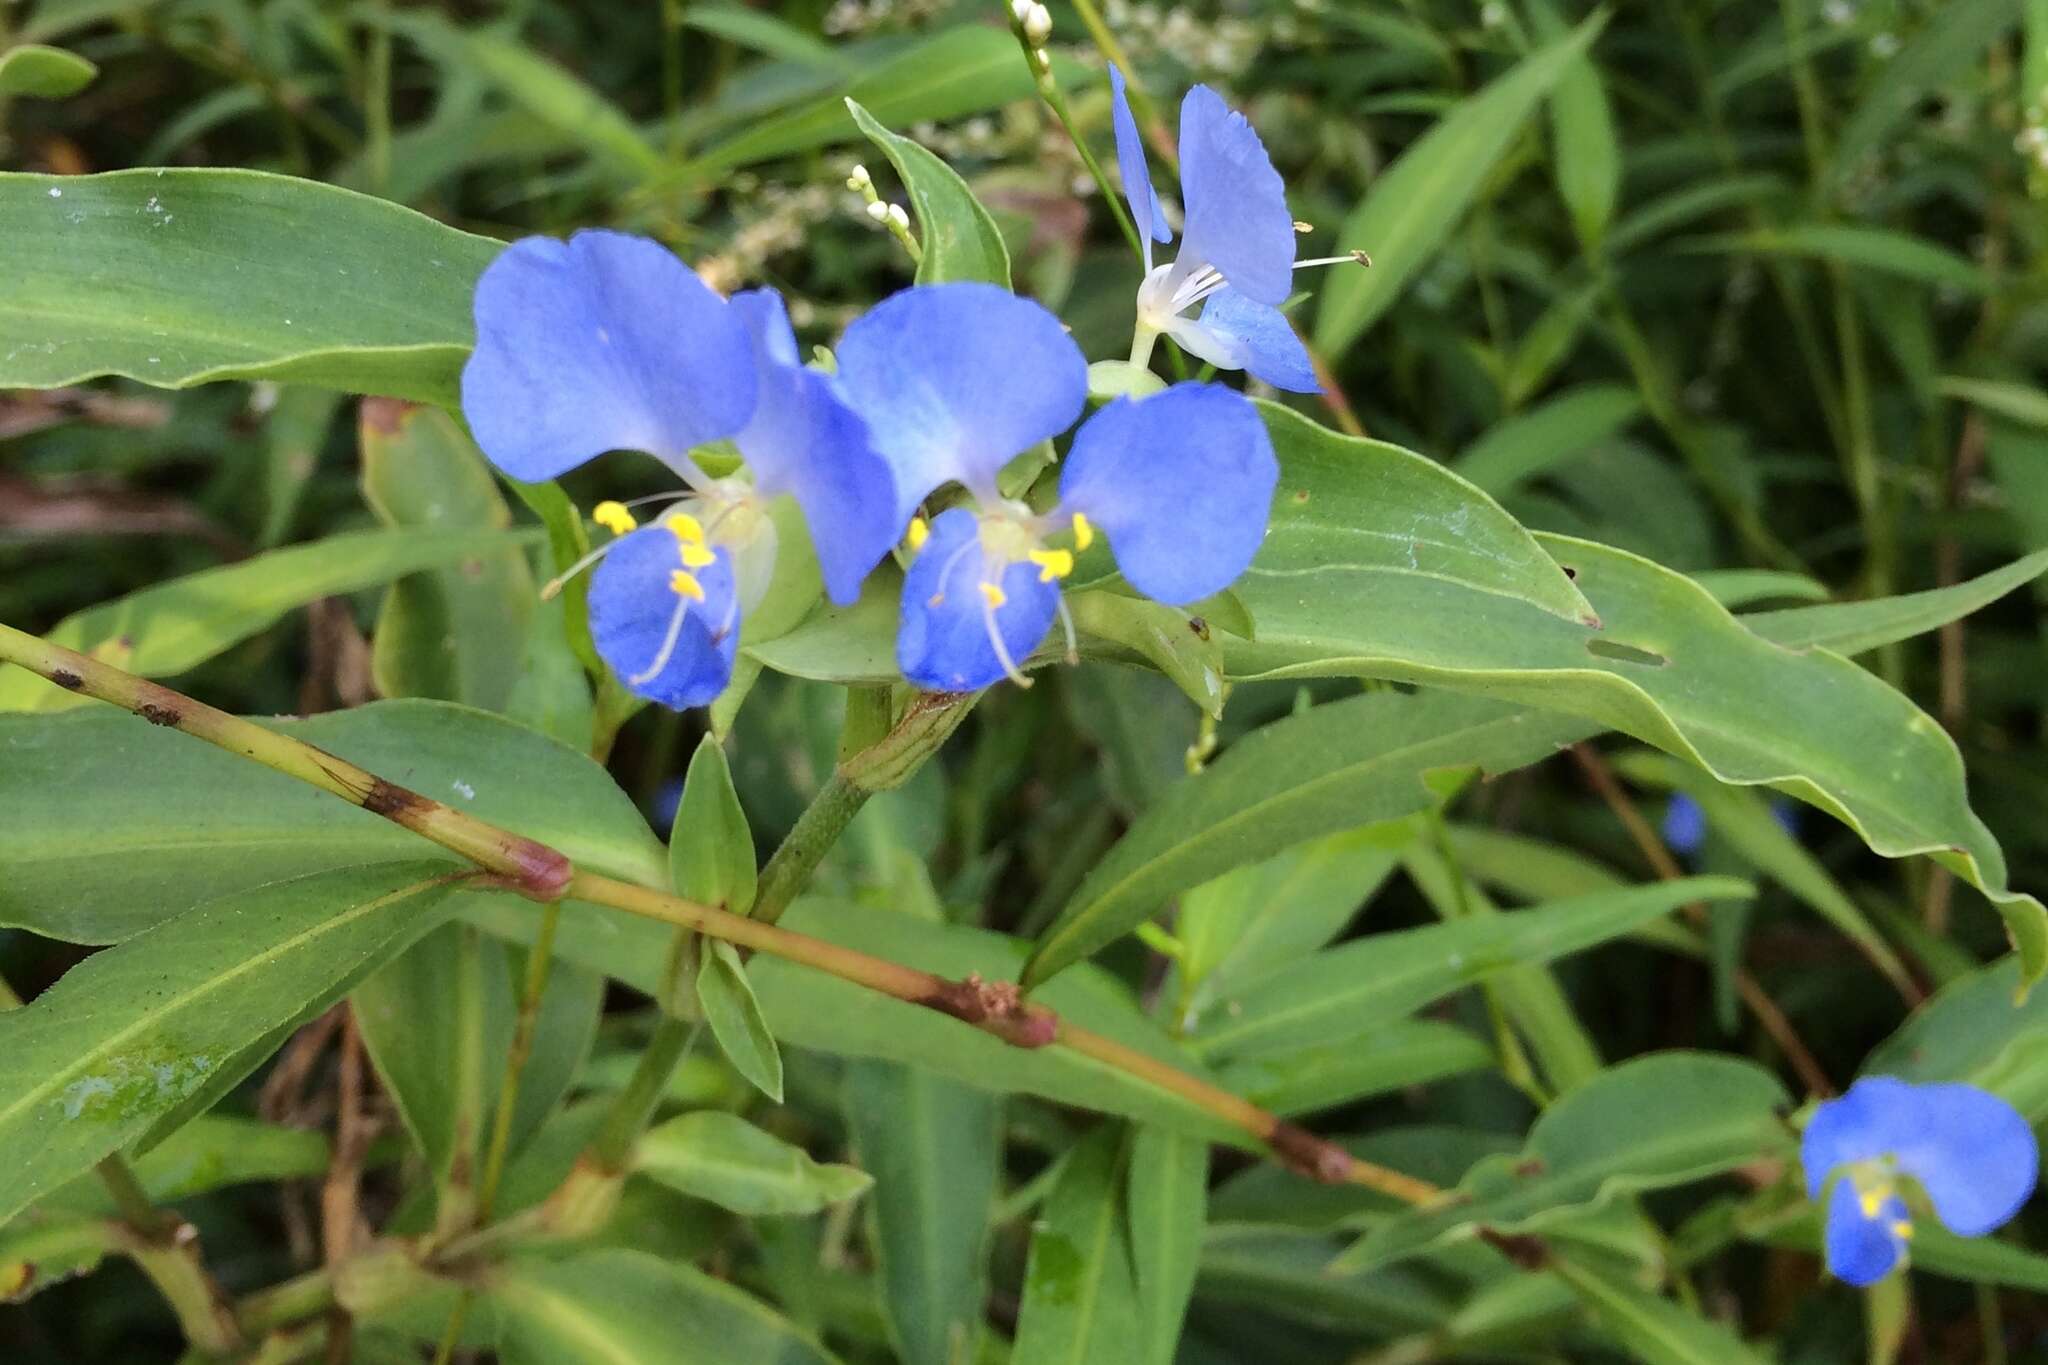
(609, 342)
(1685, 825)
(1967, 1151)
(1236, 255)
(955, 380)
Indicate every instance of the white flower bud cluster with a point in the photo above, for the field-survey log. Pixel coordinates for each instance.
(1034, 21)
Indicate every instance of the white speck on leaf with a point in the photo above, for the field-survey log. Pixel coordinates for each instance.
(83, 1092)
(464, 790)
(56, 193)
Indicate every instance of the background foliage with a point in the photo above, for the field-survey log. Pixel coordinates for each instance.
(1737, 307)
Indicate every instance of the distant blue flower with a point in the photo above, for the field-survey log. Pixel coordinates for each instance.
(1685, 825)
(1968, 1152)
(1237, 246)
(955, 380)
(608, 342)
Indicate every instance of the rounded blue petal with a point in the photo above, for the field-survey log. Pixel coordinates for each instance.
(954, 380)
(943, 644)
(1235, 206)
(804, 441)
(1130, 164)
(1685, 825)
(1259, 339)
(605, 342)
(766, 318)
(633, 612)
(1970, 1150)
(1181, 483)
(1861, 1250)
(1853, 1128)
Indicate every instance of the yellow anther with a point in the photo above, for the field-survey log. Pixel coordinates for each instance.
(920, 531)
(1084, 534)
(1903, 1230)
(614, 517)
(1872, 1200)
(687, 528)
(1052, 564)
(696, 556)
(684, 584)
(994, 595)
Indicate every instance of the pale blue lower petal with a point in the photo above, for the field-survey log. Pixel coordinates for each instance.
(632, 608)
(943, 644)
(1259, 339)
(1860, 1250)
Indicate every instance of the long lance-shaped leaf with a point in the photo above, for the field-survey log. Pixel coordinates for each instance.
(182, 277)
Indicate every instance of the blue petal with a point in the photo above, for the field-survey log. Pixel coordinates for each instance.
(1235, 204)
(1861, 1250)
(766, 319)
(632, 607)
(1234, 333)
(1181, 483)
(1131, 167)
(943, 644)
(805, 442)
(1850, 1129)
(606, 342)
(1685, 825)
(1971, 1151)
(955, 379)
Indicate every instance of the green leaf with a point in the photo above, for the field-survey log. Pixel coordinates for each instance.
(728, 1161)
(1688, 203)
(1286, 1272)
(1161, 634)
(1407, 215)
(965, 69)
(1332, 768)
(1391, 1057)
(131, 1033)
(163, 630)
(1673, 668)
(1932, 60)
(212, 1152)
(183, 277)
(935, 1149)
(805, 1009)
(623, 1307)
(1530, 444)
(175, 822)
(710, 847)
(457, 633)
(436, 1022)
(960, 240)
(1651, 1329)
(727, 999)
(1745, 820)
(1734, 588)
(48, 73)
(1269, 913)
(1976, 1030)
(294, 435)
(769, 35)
(1585, 154)
(2019, 402)
(1666, 1119)
(1080, 1294)
(1858, 627)
(1167, 1192)
(558, 99)
(1879, 249)
(1351, 990)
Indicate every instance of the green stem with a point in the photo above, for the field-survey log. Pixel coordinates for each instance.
(635, 1105)
(789, 868)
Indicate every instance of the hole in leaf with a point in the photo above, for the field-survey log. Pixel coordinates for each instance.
(1627, 654)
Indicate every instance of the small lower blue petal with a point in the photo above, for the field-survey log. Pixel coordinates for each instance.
(633, 611)
(1860, 1250)
(1685, 825)
(943, 644)
(1181, 483)
(1261, 339)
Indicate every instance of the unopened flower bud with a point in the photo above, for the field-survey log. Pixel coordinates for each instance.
(878, 211)
(1037, 23)
(859, 180)
(1042, 60)
(898, 219)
